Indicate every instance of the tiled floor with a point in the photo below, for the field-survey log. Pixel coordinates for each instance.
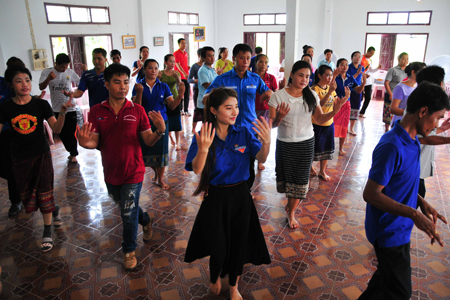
(328, 257)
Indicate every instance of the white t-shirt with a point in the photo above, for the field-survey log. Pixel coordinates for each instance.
(296, 126)
(62, 82)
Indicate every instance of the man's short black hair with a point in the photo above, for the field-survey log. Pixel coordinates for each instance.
(199, 52)
(371, 48)
(180, 39)
(115, 69)
(241, 48)
(99, 50)
(327, 50)
(428, 95)
(258, 50)
(114, 52)
(150, 60)
(434, 74)
(62, 59)
(205, 51)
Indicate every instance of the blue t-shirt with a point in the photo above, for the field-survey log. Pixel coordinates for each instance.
(5, 94)
(153, 97)
(325, 62)
(205, 75)
(232, 156)
(246, 89)
(95, 86)
(193, 74)
(341, 84)
(140, 75)
(352, 70)
(396, 166)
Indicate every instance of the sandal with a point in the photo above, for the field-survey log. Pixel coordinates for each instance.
(57, 221)
(47, 244)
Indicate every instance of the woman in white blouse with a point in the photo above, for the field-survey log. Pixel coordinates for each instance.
(291, 110)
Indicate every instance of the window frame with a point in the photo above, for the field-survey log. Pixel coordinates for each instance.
(78, 6)
(178, 19)
(393, 12)
(259, 19)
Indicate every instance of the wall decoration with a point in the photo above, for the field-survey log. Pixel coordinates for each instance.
(199, 34)
(129, 41)
(158, 41)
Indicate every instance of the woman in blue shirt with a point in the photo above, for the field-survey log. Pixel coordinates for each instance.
(356, 70)
(227, 226)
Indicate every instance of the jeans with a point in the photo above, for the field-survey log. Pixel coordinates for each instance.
(127, 195)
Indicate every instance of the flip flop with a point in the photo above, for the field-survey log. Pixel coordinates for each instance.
(47, 244)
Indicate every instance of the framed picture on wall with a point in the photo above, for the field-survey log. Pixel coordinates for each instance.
(199, 34)
(129, 41)
(158, 41)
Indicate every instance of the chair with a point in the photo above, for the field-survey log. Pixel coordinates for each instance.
(83, 103)
(378, 83)
(49, 131)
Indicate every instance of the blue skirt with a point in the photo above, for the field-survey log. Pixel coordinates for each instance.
(355, 100)
(323, 142)
(175, 123)
(158, 154)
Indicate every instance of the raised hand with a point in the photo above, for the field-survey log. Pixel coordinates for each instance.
(51, 76)
(445, 125)
(41, 96)
(159, 75)
(68, 93)
(181, 88)
(265, 97)
(338, 102)
(139, 88)
(282, 83)
(175, 75)
(83, 67)
(347, 93)
(333, 86)
(359, 69)
(85, 134)
(206, 137)
(262, 128)
(157, 119)
(337, 71)
(67, 105)
(282, 110)
(139, 63)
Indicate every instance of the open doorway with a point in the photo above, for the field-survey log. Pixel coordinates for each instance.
(191, 46)
(390, 45)
(79, 48)
(273, 45)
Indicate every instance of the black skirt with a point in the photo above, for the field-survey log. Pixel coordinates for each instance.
(227, 228)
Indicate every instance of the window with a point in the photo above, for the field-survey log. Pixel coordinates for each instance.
(179, 18)
(66, 14)
(399, 18)
(265, 19)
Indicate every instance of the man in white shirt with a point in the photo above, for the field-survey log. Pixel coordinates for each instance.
(59, 79)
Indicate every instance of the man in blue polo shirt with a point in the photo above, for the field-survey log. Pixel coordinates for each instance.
(252, 68)
(93, 80)
(246, 84)
(392, 196)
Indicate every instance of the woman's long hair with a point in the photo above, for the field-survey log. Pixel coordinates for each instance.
(308, 96)
(215, 99)
(320, 71)
(221, 50)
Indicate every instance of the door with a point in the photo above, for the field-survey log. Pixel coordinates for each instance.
(77, 54)
(387, 51)
(250, 39)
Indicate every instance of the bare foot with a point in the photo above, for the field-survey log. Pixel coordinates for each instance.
(324, 176)
(313, 172)
(216, 287)
(362, 116)
(234, 293)
(164, 186)
(261, 166)
(293, 224)
(286, 208)
(352, 133)
(178, 147)
(342, 152)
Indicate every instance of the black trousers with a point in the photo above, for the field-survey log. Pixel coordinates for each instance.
(251, 179)
(6, 165)
(367, 98)
(67, 134)
(392, 279)
(185, 102)
(422, 189)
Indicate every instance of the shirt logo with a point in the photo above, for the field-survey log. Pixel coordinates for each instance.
(24, 124)
(102, 118)
(240, 149)
(130, 118)
(251, 86)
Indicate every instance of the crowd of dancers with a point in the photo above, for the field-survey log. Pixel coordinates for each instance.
(238, 103)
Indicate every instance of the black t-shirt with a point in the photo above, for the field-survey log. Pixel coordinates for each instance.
(26, 123)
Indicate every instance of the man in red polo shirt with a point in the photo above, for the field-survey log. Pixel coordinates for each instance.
(115, 126)
(181, 60)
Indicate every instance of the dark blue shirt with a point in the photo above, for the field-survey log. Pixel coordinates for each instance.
(341, 84)
(232, 156)
(140, 75)
(246, 89)
(153, 97)
(396, 166)
(252, 66)
(95, 84)
(5, 94)
(352, 70)
(193, 74)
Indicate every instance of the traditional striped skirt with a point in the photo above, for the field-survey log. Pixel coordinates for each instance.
(387, 116)
(158, 154)
(34, 179)
(323, 142)
(293, 164)
(341, 121)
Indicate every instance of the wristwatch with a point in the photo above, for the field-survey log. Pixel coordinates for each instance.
(160, 134)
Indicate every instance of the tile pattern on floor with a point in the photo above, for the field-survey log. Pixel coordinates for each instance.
(328, 257)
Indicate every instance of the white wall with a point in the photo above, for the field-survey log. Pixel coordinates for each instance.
(230, 20)
(348, 24)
